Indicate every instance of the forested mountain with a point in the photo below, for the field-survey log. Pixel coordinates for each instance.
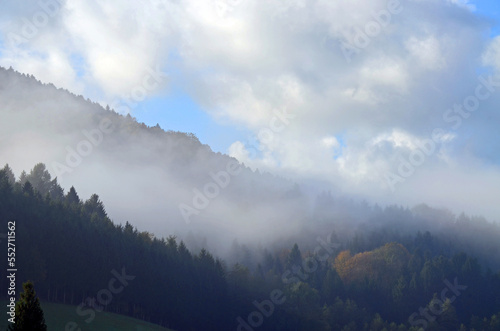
(156, 179)
(385, 281)
(199, 242)
(149, 177)
(199, 165)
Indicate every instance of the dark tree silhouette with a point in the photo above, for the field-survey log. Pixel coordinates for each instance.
(10, 174)
(72, 197)
(29, 314)
(294, 258)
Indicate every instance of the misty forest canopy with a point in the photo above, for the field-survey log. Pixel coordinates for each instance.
(69, 247)
(145, 173)
(327, 264)
(80, 141)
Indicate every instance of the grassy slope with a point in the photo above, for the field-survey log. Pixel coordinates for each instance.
(57, 316)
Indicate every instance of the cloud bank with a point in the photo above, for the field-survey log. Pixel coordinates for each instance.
(365, 84)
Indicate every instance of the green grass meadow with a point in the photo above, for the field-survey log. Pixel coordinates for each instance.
(57, 317)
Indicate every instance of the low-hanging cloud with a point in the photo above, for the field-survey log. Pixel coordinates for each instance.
(242, 61)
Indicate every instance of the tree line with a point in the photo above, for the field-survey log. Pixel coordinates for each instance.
(68, 248)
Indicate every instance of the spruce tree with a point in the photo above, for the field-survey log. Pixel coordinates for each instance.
(294, 258)
(72, 197)
(29, 314)
(10, 174)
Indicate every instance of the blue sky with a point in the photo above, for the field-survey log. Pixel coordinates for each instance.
(490, 8)
(177, 111)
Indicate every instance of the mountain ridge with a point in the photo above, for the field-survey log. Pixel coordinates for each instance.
(80, 140)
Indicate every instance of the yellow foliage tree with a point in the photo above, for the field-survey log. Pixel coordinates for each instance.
(380, 266)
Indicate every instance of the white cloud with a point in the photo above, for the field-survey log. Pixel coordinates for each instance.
(464, 3)
(330, 142)
(427, 52)
(244, 60)
(492, 55)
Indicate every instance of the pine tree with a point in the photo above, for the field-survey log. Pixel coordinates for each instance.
(294, 258)
(29, 314)
(23, 178)
(72, 197)
(56, 192)
(10, 174)
(28, 189)
(95, 206)
(40, 179)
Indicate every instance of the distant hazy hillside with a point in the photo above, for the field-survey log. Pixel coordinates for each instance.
(144, 174)
(151, 177)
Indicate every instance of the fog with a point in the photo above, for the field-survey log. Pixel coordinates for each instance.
(143, 175)
(360, 107)
(168, 183)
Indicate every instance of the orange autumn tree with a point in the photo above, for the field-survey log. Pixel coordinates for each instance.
(341, 264)
(380, 266)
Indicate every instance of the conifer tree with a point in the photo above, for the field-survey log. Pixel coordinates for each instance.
(10, 174)
(29, 314)
(72, 197)
(294, 258)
